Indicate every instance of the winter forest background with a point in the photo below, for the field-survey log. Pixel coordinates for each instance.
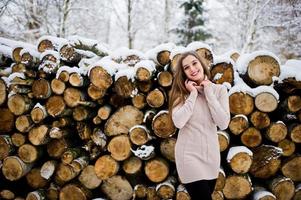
(243, 25)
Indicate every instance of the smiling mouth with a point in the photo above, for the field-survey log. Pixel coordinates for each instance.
(195, 73)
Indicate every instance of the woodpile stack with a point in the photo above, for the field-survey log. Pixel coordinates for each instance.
(79, 121)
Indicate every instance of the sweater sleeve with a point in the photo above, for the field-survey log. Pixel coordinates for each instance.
(218, 104)
(182, 113)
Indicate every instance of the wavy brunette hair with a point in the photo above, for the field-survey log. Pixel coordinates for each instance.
(178, 91)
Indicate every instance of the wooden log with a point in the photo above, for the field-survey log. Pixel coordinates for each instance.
(224, 140)
(237, 187)
(57, 86)
(156, 169)
(24, 123)
(287, 146)
(88, 178)
(106, 167)
(261, 193)
(217, 195)
(39, 135)
(56, 147)
(52, 192)
(282, 187)
(63, 76)
(220, 181)
(292, 103)
(155, 98)
(143, 74)
(117, 188)
(120, 147)
(100, 78)
(93, 150)
(182, 193)
(35, 180)
(7, 120)
(261, 69)
(74, 97)
(139, 101)
(7, 194)
(139, 135)
(266, 161)
(39, 194)
(19, 67)
(95, 93)
(29, 56)
(38, 113)
(69, 54)
(50, 61)
(74, 191)
(174, 62)
(145, 86)
(294, 131)
(166, 189)
(79, 163)
(241, 103)
(140, 191)
(63, 122)
(48, 168)
(18, 139)
(14, 168)
(276, 132)
(29, 153)
(124, 87)
(6, 146)
(163, 57)
(104, 112)
(260, 120)
(133, 170)
(222, 72)
(290, 168)
(3, 93)
(167, 148)
(48, 42)
(251, 137)
(70, 154)
(165, 78)
(206, 56)
(56, 107)
(297, 192)
(77, 80)
(99, 138)
(19, 104)
(240, 159)
(122, 120)
(266, 102)
(81, 113)
(162, 124)
(64, 173)
(152, 194)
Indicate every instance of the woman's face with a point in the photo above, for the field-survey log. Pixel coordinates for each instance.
(193, 68)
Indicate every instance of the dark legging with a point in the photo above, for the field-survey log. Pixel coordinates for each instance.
(201, 190)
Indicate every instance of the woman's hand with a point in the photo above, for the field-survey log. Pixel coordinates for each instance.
(205, 82)
(190, 85)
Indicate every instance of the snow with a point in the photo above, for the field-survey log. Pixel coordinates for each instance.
(147, 64)
(38, 105)
(261, 194)
(177, 50)
(51, 52)
(225, 134)
(147, 113)
(244, 59)
(280, 122)
(217, 76)
(160, 113)
(144, 151)
(181, 188)
(108, 64)
(163, 184)
(56, 41)
(130, 73)
(85, 53)
(34, 53)
(47, 170)
(241, 115)
(223, 59)
(85, 62)
(11, 77)
(239, 149)
(48, 66)
(265, 88)
(67, 69)
(152, 54)
(134, 92)
(221, 170)
(227, 85)
(298, 187)
(124, 52)
(193, 46)
(11, 93)
(6, 51)
(291, 69)
(14, 44)
(139, 126)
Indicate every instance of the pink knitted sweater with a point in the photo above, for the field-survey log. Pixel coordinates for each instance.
(197, 150)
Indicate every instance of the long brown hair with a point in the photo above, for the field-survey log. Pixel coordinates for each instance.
(178, 91)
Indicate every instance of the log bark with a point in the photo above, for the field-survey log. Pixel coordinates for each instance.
(6, 146)
(162, 125)
(167, 148)
(156, 169)
(140, 191)
(106, 167)
(266, 161)
(241, 103)
(117, 188)
(48, 169)
(237, 187)
(36, 195)
(122, 120)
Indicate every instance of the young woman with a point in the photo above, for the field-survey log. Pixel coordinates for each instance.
(197, 107)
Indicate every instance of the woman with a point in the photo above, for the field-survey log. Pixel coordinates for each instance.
(197, 107)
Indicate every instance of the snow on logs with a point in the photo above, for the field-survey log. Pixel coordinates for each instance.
(78, 120)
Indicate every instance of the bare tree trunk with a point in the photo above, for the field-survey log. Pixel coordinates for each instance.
(129, 25)
(166, 21)
(65, 13)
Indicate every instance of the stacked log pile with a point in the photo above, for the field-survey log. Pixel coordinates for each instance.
(79, 121)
